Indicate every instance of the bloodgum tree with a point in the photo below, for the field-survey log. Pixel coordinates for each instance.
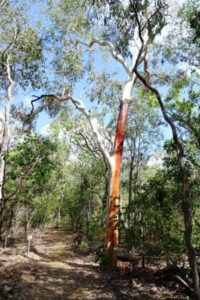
(115, 26)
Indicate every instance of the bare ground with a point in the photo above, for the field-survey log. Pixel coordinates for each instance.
(54, 271)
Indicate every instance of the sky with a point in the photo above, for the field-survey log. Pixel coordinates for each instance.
(35, 13)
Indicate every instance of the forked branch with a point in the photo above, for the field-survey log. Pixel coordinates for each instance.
(111, 47)
(94, 125)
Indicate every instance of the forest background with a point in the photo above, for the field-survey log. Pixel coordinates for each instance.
(71, 72)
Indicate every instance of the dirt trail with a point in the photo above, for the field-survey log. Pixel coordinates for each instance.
(54, 271)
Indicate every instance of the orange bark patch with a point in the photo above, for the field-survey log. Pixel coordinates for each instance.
(113, 210)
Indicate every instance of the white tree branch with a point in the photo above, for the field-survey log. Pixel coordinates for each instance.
(2, 3)
(141, 43)
(111, 47)
(93, 122)
(6, 129)
(12, 43)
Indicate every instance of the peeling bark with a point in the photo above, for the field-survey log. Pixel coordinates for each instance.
(112, 226)
(112, 232)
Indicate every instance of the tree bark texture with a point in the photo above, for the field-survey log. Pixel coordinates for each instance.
(130, 185)
(5, 140)
(112, 230)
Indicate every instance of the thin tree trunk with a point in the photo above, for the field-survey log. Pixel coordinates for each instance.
(5, 140)
(106, 190)
(188, 222)
(9, 224)
(58, 216)
(186, 205)
(112, 230)
(130, 185)
(140, 219)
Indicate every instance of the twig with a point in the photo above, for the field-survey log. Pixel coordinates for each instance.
(184, 283)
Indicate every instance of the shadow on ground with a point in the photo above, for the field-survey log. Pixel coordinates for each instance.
(54, 271)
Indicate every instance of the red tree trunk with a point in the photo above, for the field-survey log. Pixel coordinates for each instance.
(112, 230)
